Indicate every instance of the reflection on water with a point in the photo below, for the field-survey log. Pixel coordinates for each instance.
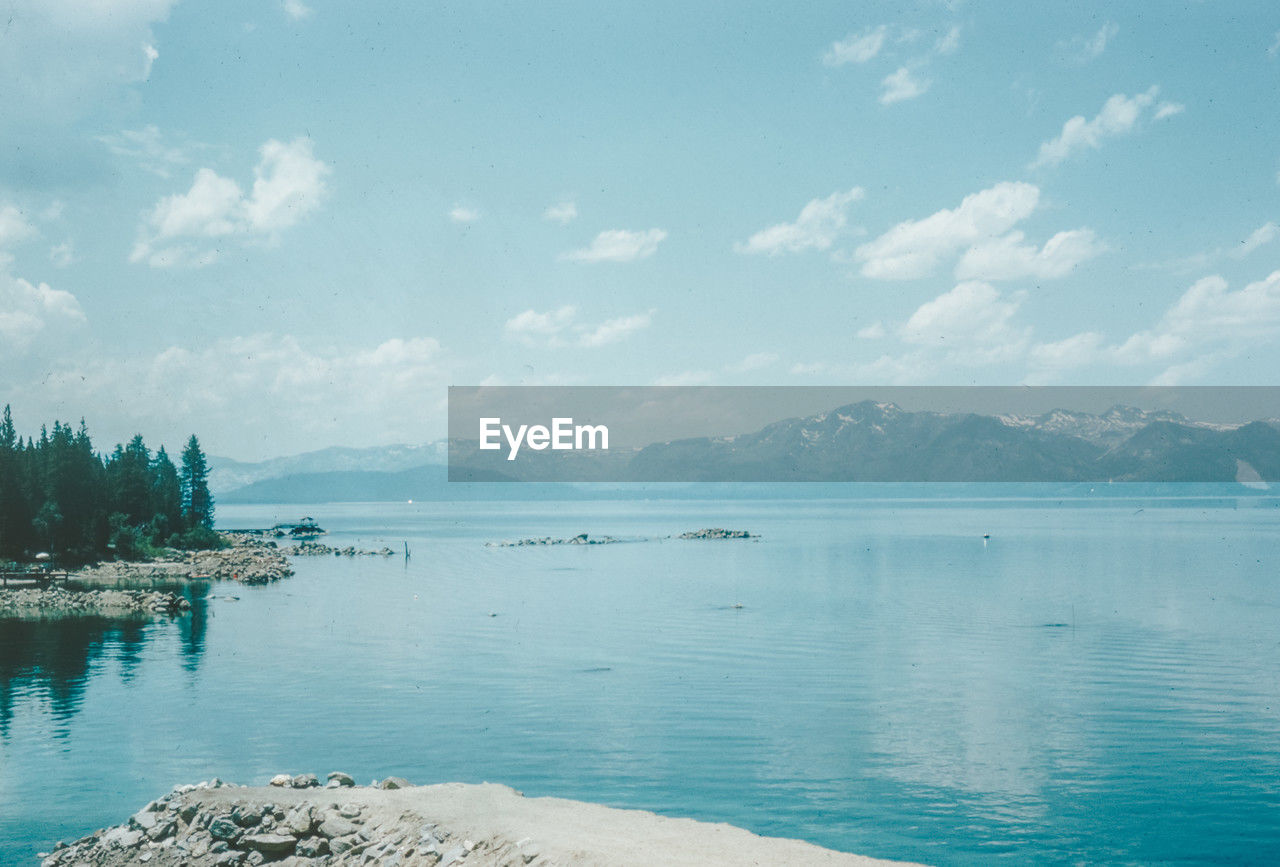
(48, 663)
(1088, 684)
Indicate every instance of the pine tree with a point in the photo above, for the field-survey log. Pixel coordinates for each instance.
(197, 502)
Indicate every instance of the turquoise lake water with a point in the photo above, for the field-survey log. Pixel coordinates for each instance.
(1097, 682)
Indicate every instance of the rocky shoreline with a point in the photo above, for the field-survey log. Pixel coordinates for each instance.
(128, 588)
(294, 822)
(580, 539)
(39, 603)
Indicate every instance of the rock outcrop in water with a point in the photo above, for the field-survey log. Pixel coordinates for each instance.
(716, 533)
(34, 602)
(296, 823)
(318, 549)
(248, 560)
(580, 539)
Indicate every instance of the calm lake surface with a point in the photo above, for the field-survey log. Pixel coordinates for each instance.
(1097, 682)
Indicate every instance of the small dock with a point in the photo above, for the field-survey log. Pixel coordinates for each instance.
(32, 578)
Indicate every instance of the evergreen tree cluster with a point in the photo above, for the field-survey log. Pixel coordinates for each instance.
(59, 496)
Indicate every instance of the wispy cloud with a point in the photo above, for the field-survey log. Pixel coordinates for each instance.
(464, 215)
(1119, 115)
(1082, 49)
(14, 226)
(618, 245)
(563, 213)
(819, 224)
(296, 9)
(949, 42)
(560, 328)
(856, 47)
(902, 85)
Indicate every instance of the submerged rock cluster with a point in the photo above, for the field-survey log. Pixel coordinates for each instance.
(580, 539)
(317, 549)
(716, 533)
(60, 601)
(195, 827)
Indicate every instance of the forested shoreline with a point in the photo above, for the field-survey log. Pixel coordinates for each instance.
(60, 497)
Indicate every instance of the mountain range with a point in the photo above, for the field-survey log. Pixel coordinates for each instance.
(865, 442)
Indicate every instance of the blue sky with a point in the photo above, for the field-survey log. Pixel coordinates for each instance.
(292, 224)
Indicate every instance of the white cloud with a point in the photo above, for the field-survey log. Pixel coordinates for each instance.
(1082, 49)
(531, 324)
(614, 330)
(753, 362)
(27, 309)
(149, 148)
(1008, 258)
(1119, 115)
(820, 222)
(558, 329)
(1169, 109)
(1206, 324)
(856, 47)
(687, 377)
(949, 43)
(561, 212)
(973, 313)
(1275, 46)
(62, 57)
(14, 226)
(265, 394)
(62, 255)
(463, 214)
(902, 85)
(874, 331)
(914, 248)
(619, 245)
(1075, 351)
(1259, 237)
(289, 183)
(296, 9)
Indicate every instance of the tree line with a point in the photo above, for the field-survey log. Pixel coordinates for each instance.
(59, 496)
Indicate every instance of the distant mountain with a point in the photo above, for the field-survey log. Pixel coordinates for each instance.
(880, 442)
(227, 475)
(874, 442)
(862, 442)
(1109, 428)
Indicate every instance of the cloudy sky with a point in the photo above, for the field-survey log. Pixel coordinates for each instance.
(286, 225)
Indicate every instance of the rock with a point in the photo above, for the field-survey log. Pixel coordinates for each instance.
(300, 820)
(716, 533)
(223, 828)
(394, 783)
(349, 811)
(269, 844)
(305, 781)
(247, 815)
(312, 847)
(336, 826)
(163, 829)
(144, 819)
(343, 845)
(341, 779)
(283, 780)
(228, 858)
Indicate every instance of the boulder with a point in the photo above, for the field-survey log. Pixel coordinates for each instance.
(341, 779)
(336, 826)
(283, 780)
(305, 781)
(269, 844)
(313, 847)
(222, 828)
(394, 783)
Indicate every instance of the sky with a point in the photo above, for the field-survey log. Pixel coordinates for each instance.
(289, 225)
